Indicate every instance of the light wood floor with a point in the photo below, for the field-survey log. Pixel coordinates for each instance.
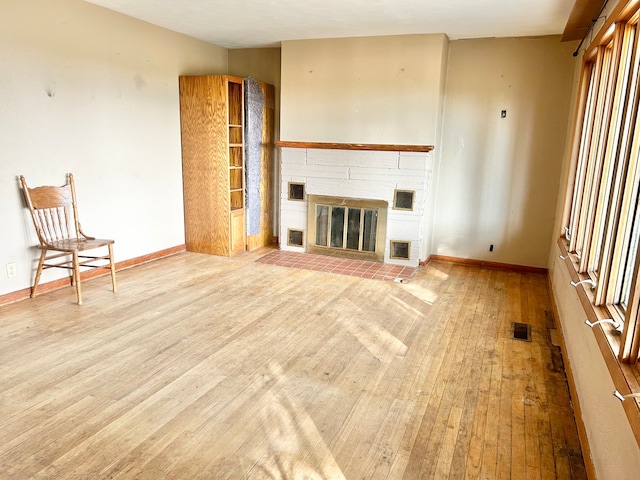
(202, 367)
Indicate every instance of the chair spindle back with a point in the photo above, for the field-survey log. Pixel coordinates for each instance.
(53, 210)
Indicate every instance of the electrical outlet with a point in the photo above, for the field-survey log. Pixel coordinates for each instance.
(491, 247)
(11, 270)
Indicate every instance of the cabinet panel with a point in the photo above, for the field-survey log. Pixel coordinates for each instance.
(237, 222)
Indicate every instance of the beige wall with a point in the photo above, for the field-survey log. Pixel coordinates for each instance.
(614, 450)
(93, 92)
(362, 90)
(427, 246)
(498, 177)
(262, 64)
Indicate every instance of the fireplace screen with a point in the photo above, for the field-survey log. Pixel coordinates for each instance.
(347, 227)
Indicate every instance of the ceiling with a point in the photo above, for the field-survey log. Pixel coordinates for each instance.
(265, 23)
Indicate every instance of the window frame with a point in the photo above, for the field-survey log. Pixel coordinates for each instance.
(618, 200)
(600, 209)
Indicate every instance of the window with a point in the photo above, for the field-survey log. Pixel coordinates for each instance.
(603, 217)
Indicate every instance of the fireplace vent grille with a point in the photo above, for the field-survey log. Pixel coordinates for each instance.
(400, 249)
(295, 238)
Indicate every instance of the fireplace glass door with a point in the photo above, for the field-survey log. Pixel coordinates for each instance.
(346, 228)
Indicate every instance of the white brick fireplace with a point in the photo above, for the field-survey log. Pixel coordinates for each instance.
(358, 174)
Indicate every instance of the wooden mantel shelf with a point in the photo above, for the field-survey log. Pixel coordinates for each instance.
(356, 146)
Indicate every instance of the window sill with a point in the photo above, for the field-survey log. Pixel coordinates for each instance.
(626, 377)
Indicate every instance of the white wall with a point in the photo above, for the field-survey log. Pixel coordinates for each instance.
(93, 92)
(362, 90)
(498, 177)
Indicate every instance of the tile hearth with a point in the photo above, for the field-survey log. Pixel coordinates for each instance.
(341, 266)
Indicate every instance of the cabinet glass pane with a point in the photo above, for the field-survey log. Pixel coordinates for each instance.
(353, 228)
(322, 224)
(337, 226)
(369, 230)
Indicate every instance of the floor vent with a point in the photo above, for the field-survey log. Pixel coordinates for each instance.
(521, 331)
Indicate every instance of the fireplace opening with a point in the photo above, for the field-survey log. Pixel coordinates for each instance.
(347, 227)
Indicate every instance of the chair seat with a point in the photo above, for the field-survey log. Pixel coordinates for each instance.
(77, 244)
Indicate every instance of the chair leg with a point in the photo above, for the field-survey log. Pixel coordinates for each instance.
(43, 255)
(76, 274)
(112, 264)
(73, 274)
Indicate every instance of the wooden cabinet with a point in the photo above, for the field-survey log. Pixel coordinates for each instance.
(213, 126)
(211, 122)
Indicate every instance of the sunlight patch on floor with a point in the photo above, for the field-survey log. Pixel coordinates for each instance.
(295, 447)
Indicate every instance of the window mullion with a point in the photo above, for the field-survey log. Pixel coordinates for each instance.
(589, 134)
(591, 78)
(612, 181)
(620, 226)
(596, 157)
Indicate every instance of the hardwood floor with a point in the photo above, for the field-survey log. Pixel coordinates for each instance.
(204, 367)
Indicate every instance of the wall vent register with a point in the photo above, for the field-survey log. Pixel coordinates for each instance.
(400, 249)
(295, 238)
(403, 199)
(296, 191)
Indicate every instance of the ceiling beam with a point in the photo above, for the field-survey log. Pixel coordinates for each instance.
(583, 14)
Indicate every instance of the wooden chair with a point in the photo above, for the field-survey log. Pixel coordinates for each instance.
(55, 218)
